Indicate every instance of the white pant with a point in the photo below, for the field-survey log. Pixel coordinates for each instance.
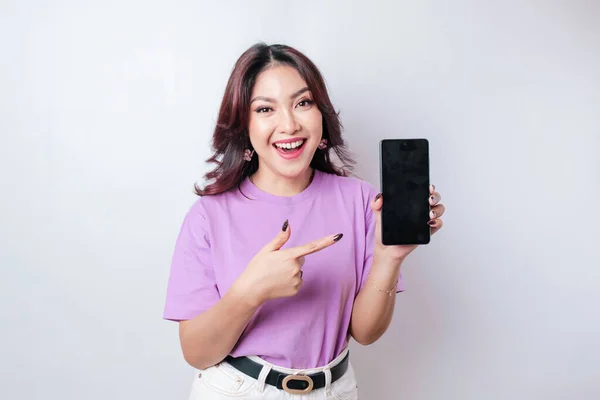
(222, 381)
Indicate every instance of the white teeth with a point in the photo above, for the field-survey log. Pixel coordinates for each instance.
(292, 145)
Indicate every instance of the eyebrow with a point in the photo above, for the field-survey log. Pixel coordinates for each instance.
(270, 100)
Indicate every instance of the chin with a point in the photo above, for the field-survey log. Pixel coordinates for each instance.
(290, 167)
(293, 172)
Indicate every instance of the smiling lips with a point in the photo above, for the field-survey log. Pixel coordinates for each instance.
(290, 148)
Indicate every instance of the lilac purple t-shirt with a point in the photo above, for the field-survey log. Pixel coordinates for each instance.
(222, 233)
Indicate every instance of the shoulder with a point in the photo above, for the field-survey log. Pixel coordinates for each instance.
(351, 183)
(204, 208)
(352, 187)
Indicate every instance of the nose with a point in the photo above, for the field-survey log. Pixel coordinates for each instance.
(288, 123)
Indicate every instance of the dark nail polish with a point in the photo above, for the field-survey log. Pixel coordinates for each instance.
(431, 223)
(285, 226)
(432, 199)
(433, 187)
(378, 196)
(338, 237)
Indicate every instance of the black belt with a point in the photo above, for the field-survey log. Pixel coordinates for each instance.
(296, 384)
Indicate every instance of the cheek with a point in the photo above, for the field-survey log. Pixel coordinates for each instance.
(259, 131)
(313, 122)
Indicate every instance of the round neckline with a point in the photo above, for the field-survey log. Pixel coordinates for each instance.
(252, 191)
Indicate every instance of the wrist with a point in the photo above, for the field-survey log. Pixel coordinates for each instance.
(381, 257)
(246, 295)
(385, 268)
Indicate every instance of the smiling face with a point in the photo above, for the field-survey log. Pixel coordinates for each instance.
(285, 126)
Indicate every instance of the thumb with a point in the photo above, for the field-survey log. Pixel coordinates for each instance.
(376, 205)
(282, 237)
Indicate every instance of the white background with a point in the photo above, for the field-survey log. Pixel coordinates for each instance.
(106, 111)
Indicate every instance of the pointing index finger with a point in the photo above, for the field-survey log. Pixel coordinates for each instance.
(314, 246)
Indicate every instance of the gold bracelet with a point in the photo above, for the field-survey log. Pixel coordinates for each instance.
(390, 291)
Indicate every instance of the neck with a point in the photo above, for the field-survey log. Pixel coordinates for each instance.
(269, 182)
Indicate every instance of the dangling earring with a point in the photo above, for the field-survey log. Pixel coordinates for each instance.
(323, 144)
(248, 155)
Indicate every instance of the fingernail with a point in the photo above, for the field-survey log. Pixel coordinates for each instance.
(433, 187)
(432, 199)
(432, 214)
(338, 237)
(377, 197)
(285, 226)
(431, 223)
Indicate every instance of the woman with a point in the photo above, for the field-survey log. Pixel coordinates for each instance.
(280, 260)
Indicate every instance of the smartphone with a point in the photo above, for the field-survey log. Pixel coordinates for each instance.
(404, 175)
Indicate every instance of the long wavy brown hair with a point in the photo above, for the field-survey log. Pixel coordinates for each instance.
(230, 138)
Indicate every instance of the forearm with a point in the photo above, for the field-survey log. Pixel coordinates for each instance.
(209, 337)
(373, 308)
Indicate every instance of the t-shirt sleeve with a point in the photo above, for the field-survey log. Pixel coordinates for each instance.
(370, 221)
(192, 287)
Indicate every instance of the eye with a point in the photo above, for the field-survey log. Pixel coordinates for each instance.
(305, 103)
(263, 109)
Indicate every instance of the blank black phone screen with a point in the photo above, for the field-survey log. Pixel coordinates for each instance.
(404, 165)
